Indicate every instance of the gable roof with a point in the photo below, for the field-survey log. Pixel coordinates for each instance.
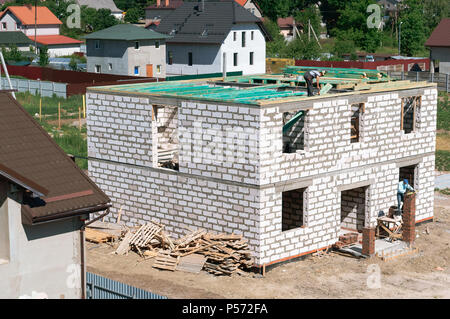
(100, 4)
(441, 35)
(26, 15)
(14, 37)
(31, 159)
(128, 32)
(212, 25)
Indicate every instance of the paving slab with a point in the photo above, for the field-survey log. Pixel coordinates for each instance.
(442, 181)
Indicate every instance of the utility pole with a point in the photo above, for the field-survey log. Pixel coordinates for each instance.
(400, 37)
(35, 27)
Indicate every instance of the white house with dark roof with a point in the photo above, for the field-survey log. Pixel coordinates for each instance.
(210, 36)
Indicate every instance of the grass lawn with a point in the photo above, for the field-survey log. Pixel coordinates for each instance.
(443, 160)
(69, 137)
(443, 120)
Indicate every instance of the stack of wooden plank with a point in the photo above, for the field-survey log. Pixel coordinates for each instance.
(224, 254)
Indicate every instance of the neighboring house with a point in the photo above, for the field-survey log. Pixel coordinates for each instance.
(210, 36)
(439, 44)
(103, 4)
(46, 24)
(162, 8)
(17, 38)
(389, 5)
(44, 200)
(251, 6)
(287, 27)
(126, 49)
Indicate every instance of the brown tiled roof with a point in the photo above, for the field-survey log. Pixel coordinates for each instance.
(28, 152)
(441, 35)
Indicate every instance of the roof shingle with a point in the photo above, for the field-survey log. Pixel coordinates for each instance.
(441, 35)
(26, 14)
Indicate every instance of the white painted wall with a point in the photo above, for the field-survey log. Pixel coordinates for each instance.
(62, 50)
(208, 58)
(44, 259)
(257, 45)
(250, 6)
(42, 30)
(12, 23)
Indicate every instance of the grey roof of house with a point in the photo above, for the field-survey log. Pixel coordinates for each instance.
(100, 4)
(127, 32)
(210, 26)
(14, 37)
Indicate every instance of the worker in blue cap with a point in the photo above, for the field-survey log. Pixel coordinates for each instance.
(403, 186)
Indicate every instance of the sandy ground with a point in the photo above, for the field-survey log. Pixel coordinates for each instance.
(426, 275)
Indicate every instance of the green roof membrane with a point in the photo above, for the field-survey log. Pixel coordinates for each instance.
(203, 91)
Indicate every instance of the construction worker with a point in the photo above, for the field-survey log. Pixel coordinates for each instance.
(309, 76)
(403, 186)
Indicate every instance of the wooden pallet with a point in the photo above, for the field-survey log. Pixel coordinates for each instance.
(165, 262)
(144, 235)
(193, 263)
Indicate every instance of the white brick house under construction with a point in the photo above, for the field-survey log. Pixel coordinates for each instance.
(289, 189)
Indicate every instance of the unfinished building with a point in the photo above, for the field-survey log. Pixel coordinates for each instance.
(254, 155)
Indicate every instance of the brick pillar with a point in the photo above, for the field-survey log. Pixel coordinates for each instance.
(368, 244)
(409, 218)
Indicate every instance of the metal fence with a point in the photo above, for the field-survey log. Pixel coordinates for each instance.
(99, 287)
(44, 88)
(442, 79)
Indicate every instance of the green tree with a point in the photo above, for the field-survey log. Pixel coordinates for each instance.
(435, 11)
(134, 15)
(73, 65)
(43, 56)
(413, 30)
(104, 19)
(274, 47)
(311, 14)
(344, 45)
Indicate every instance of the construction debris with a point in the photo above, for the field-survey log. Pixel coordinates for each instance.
(97, 236)
(219, 254)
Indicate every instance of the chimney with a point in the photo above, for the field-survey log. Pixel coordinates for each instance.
(167, 2)
(158, 3)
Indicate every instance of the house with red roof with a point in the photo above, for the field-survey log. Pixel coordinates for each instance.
(439, 44)
(41, 26)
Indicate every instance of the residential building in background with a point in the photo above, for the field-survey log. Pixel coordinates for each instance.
(44, 200)
(17, 38)
(103, 4)
(41, 26)
(126, 49)
(288, 27)
(212, 36)
(251, 6)
(439, 44)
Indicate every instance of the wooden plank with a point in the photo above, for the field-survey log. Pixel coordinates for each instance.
(193, 263)
(97, 236)
(124, 246)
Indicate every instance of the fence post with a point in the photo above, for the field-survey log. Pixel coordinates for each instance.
(446, 82)
(417, 76)
(432, 77)
(403, 75)
(53, 88)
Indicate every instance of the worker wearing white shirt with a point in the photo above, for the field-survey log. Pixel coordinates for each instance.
(403, 186)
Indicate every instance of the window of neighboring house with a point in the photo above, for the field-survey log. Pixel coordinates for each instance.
(157, 44)
(234, 36)
(170, 55)
(251, 57)
(243, 39)
(158, 69)
(252, 35)
(356, 122)
(110, 66)
(293, 209)
(136, 70)
(97, 44)
(410, 114)
(4, 26)
(136, 45)
(235, 59)
(98, 69)
(190, 59)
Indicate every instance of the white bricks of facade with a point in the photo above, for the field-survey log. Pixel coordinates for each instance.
(241, 192)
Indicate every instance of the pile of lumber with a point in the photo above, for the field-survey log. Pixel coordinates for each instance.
(219, 254)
